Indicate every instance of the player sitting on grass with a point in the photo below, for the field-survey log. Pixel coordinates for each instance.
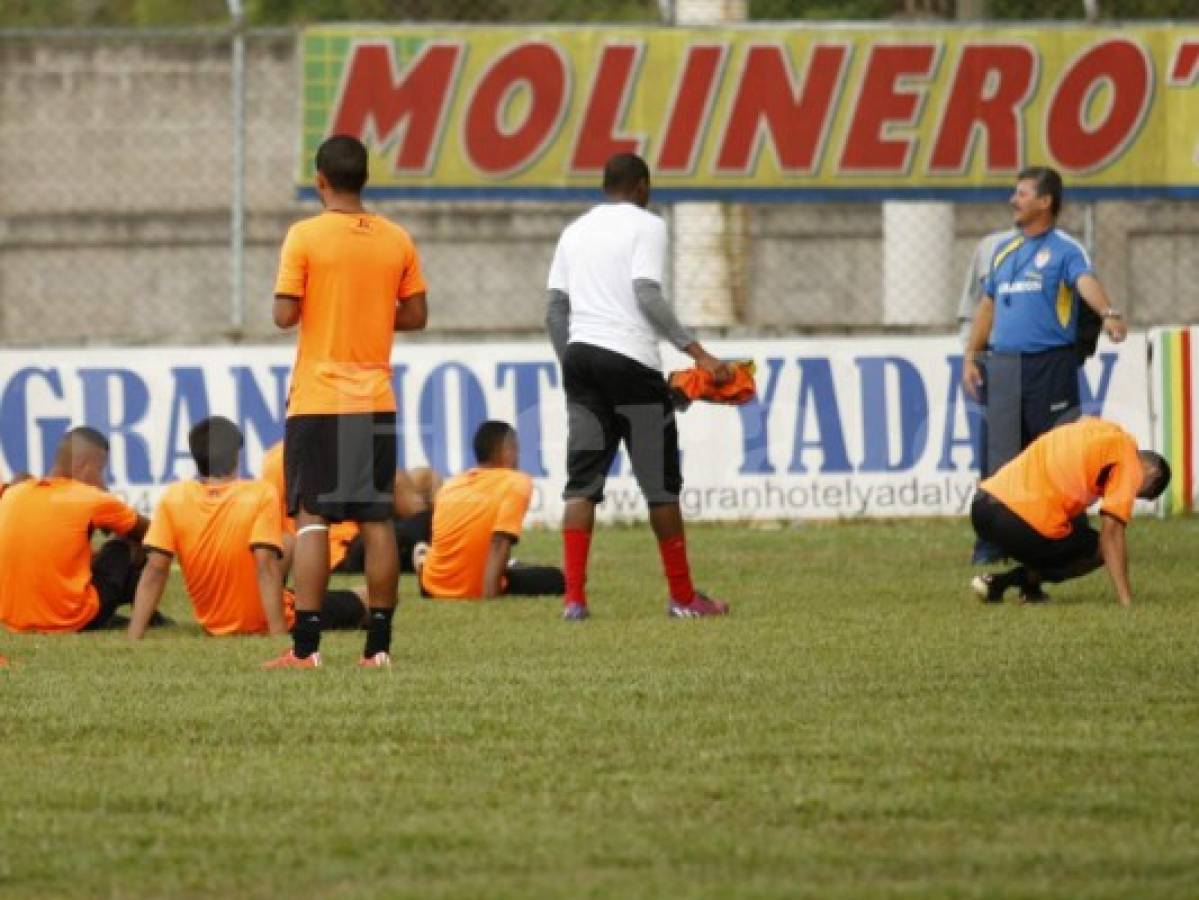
(226, 534)
(1035, 508)
(49, 579)
(477, 519)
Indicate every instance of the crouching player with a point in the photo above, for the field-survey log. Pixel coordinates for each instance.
(1035, 508)
(226, 533)
(477, 518)
(49, 579)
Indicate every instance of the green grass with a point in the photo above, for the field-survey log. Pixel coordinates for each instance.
(859, 727)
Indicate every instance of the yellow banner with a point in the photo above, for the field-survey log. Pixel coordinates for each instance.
(759, 113)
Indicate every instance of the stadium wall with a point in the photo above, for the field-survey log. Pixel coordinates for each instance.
(114, 213)
(842, 428)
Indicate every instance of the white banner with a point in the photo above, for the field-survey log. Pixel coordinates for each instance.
(841, 428)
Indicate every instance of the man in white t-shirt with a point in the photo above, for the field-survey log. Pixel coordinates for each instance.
(606, 314)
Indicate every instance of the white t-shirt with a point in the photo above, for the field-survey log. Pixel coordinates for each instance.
(598, 257)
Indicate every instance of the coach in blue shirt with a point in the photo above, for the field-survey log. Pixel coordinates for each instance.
(1028, 321)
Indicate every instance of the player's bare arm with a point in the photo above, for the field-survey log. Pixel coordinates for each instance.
(1114, 549)
(497, 563)
(270, 588)
(980, 334)
(557, 320)
(286, 310)
(149, 593)
(1093, 294)
(412, 313)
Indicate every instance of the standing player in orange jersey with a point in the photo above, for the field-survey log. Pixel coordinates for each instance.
(349, 278)
(1035, 508)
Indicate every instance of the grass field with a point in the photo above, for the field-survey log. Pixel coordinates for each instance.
(859, 727)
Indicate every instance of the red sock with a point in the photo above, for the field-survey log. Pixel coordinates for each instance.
(577, 543)
(678, 572)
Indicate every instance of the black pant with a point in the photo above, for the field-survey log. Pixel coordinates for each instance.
(1025, 395)
(410, 531)
(535, 581)
(1054, 559)
(115, 576)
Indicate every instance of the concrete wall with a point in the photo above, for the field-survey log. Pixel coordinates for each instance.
(114, 217)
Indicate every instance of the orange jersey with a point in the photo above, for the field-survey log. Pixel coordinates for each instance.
(46, 553)
(1059, 475)
(340, 533)
(469, 509)
(213, 530)
(348, 270)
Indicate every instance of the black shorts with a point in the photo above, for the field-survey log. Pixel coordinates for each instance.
(115, 576)
(993, 521)
(341, 468)
(611, 398)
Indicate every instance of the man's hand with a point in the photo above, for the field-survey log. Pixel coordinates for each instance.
(717, 368)
(972, 377)
(1115, 328)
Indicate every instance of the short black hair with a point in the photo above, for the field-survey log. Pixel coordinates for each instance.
(623, 172)
(488, 439)
(1159, 474)
(88, 436)
(1047, 183)
(342, 160)
(215, 444)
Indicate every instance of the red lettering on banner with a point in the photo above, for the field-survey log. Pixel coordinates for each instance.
(1123, 66)
(496, 150)
(610, 93)
(1185, 71)
(882, 101)
(378, 107)
(992, 84)
(693, 100)
(767, 104)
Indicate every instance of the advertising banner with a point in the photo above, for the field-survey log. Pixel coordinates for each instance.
(780, 113)
(1174, 372)
(840, 429)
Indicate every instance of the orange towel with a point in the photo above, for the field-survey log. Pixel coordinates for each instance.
(696, 384)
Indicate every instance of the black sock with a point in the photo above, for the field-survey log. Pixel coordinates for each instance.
(306, 633)
(378, 631)
(1017, 577)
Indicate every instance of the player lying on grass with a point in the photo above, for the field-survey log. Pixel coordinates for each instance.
(477, 519)
(227, 537)
(1035, 508)
(49, 579)
(413, 493)
(605, 315)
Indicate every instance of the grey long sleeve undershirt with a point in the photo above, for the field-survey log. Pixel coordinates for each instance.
(649, 300)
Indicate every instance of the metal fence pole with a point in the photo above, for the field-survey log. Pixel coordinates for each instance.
(237, 223)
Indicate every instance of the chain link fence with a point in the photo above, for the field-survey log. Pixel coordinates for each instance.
(116, 190)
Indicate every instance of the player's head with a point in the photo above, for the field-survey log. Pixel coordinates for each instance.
(626, 177)
(496, 445)
(1155, 476)
(341, 165)
(82, 454)
(215, 444)
(1038, 194)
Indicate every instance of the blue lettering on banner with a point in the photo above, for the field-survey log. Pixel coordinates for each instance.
(755, 429)
(526, 376)
(253, 411)
(913, 414)
(434, 420)
(1092, 401)
(135, 403)
(190, 398)
(816, 390)
(950, 440)
(14, 420)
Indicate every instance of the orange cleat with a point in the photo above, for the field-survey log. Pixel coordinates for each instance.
(379, 661)
(289, 660)
(4, 662)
